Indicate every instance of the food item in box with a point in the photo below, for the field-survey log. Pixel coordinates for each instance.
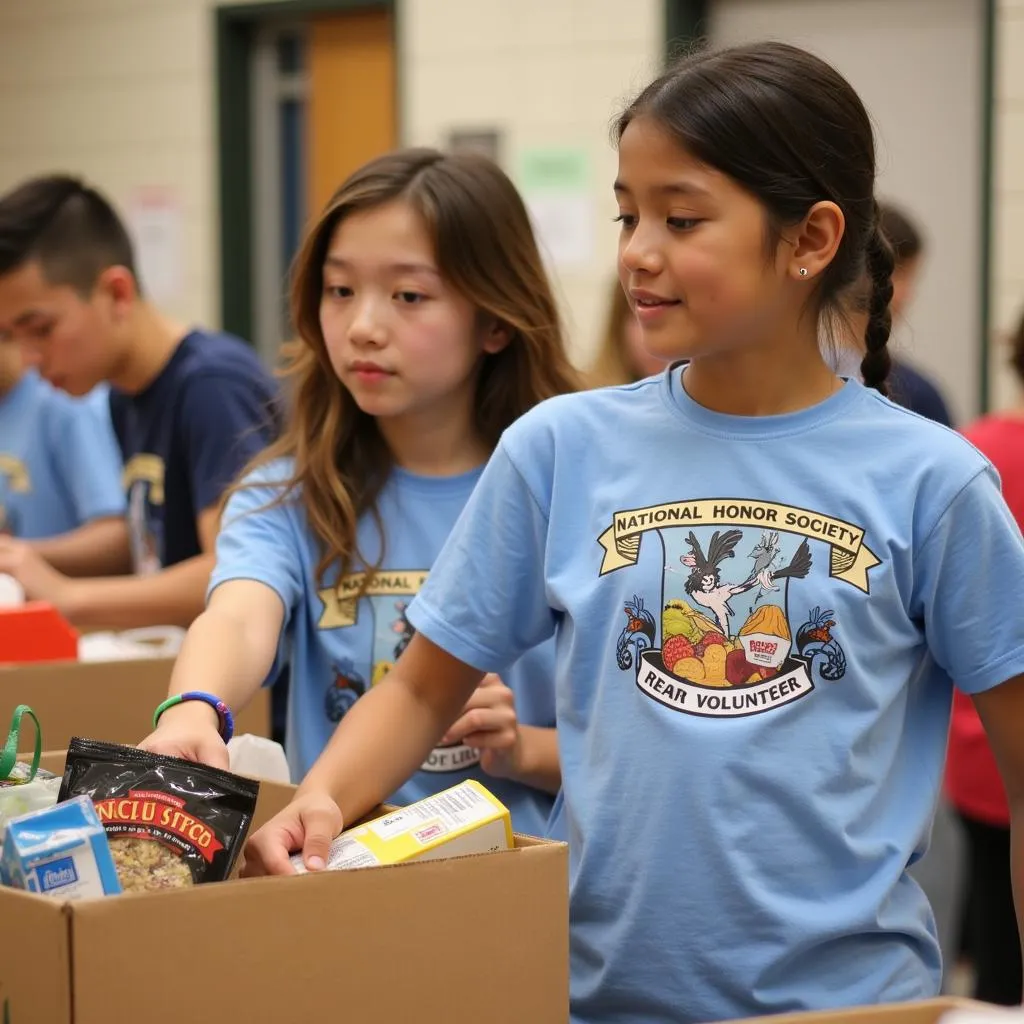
(462, 820)
(170, 823)
(20, 792)
(59, 851)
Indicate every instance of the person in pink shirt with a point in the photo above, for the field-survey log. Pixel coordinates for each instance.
(973, 784)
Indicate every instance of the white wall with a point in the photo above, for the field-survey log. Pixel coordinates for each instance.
(917, 66)
(120, 91)
(123, 91)
(547, 73)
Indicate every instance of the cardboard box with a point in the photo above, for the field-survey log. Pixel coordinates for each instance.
(928, 1011)
(479, 938)
(103, 700)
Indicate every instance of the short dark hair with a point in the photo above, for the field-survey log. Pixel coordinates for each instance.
(72, 231)
(792, 131)
(903, 234)
(1017, 350)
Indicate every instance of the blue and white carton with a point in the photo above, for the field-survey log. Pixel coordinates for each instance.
(59, 851)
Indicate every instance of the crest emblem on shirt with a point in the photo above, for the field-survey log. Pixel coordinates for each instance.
(735, 630)
(383, 600)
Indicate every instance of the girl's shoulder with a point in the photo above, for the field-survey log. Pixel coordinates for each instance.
(268, 485)
(931, 442)
(591, 414)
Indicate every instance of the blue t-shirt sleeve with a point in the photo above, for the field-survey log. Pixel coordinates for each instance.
(87, 459)
(257, 541)
(969, 588)
(485, 600)
(225, 422)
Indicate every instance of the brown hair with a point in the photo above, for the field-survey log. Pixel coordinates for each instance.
(485, 249)
(612, 365)
(67, 226)
(1017, 350)
(903, 234)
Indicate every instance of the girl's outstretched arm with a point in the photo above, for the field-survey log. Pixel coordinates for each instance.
(379, 744)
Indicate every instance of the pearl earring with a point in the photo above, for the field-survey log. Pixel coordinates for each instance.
(803, 271)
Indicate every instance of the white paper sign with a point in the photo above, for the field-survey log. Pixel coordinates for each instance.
(565, 228)
(155, 223)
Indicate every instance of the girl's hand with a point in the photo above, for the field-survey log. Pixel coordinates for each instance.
(489, 723)
(190, 730)
(309, 823)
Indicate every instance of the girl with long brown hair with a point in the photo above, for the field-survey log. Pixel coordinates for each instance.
(426, 326)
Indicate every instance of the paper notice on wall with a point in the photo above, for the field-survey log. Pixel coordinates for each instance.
(556, 186)
(155, 222)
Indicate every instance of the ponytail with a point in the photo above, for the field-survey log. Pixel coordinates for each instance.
(875, 366)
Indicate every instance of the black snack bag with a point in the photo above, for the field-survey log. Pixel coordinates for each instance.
(170, 822)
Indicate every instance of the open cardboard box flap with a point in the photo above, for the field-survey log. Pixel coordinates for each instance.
(104, 700)
(475, 938)
(928, 1011)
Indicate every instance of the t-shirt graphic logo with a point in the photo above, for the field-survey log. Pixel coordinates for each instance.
(144, 484)
(381, 602)
(15, 474)
(347, 688)
(736, 637)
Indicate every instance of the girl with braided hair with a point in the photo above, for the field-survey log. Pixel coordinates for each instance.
(742, 810)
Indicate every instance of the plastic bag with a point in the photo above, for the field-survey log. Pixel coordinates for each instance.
(258, 757)
(23, 787)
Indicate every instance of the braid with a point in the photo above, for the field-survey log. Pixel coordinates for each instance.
(874, 368)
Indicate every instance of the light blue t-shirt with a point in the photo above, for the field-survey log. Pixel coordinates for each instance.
(60, 466)
(756, 623)
(338, 647)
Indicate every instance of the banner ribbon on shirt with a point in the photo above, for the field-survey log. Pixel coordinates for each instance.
(16, 472)
(341, 602)
(850, 558)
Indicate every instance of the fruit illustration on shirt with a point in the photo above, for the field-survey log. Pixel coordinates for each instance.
(348, 687)
(694, 648)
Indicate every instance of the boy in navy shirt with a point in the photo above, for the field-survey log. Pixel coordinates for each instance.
(189, 407)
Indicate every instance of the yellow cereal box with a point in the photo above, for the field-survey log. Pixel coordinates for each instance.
(462, 820)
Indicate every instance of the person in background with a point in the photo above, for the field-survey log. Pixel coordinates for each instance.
(908, 386)
(622, 358)
(973, 784)
(189, 407)
(427, 326)
(60, 472)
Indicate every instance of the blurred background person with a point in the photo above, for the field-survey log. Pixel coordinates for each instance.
(908, 386)
(60, 472)
(973, 784)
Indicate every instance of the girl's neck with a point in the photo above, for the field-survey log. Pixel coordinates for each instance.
(761, 381)
(443, 443)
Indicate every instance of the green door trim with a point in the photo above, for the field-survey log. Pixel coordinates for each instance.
(686, 23)
(235, 25)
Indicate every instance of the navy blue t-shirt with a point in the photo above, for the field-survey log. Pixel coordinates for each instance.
(914, 391)
(185, 439)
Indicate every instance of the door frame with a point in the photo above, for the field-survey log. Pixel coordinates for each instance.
(687, 23)
(235, 26)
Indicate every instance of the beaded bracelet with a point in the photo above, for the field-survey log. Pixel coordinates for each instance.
(226, 719)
